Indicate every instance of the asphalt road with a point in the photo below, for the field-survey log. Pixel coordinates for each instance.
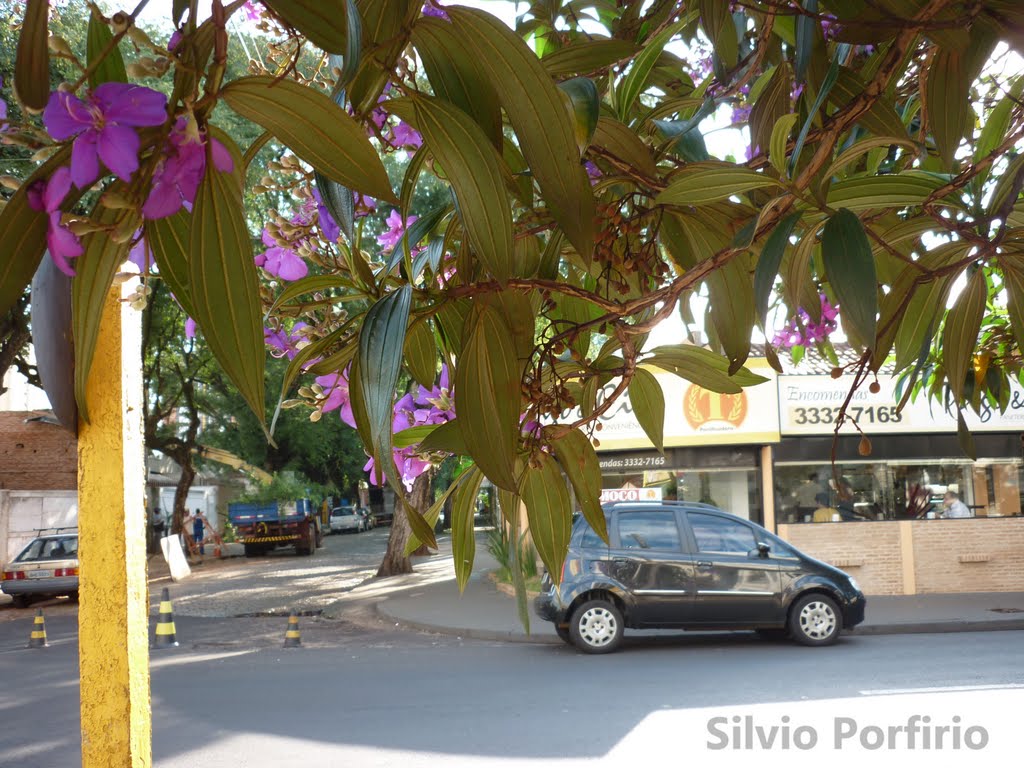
(364, 695)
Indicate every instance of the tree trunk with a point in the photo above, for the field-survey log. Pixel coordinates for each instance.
(395, 560)
(188, 475)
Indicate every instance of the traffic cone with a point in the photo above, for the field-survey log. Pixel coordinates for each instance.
(165, 637)
(38, 637)
(292, 638)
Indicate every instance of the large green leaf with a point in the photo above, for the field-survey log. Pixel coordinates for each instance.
(850, 268)
(960, 333)
(584, 56)
(463, 535)
(1013, 279)
(170, 238)
(706, 182)
(881, 119)
(717, 21)
(434, 512)
(768, 263)
(620, 141)
(648, 403)
(537, 113)
(95, 273)
(446, 438)
(23, 234)
(421, 353)
(771, 105)
(579, 461)
(947, 102)
(98, 37)
(731, 288)
(863, 193)
(224, 283)
(456, 77)
(32, 62)
(635, 79)
(702, 367)
(473, 169)
(315, 128)
(381, 343)
(920, 320)
(322, 21)
(547, 507)
(487, 394)
(584, 103)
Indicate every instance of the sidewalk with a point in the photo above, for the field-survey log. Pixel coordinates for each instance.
(429, 600)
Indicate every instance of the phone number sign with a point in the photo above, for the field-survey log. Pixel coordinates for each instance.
(811, 405)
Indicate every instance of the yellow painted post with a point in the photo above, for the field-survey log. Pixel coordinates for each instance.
(113, 603)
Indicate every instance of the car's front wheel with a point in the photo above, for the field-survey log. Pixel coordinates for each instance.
(596, 627)
(815, 620)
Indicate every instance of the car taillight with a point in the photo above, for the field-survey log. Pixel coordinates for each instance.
(9, 575)
(66, 572)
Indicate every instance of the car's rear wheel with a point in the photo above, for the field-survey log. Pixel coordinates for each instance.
(815, 620)
(21, 601)
(563, 634)
(596, 627)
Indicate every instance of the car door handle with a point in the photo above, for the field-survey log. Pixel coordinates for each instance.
(703, 564)
(621, 560)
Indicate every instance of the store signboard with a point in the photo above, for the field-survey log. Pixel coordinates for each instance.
(609, 495)
(810, 405)
(695, 416)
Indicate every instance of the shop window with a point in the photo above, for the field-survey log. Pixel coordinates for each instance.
(910, 490)
(649, 530)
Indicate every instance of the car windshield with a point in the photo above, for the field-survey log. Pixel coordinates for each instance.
(346, 512)
(49, 548)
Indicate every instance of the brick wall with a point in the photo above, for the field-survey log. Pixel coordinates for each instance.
(976, 555)
(34, 455)
(979, 555)
(870, 552)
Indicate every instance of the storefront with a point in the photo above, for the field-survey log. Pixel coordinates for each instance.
(882, 516)
(716, 447)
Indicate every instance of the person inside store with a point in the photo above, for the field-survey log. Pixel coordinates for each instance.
(844, 503)
(825, 513)
(953, 507)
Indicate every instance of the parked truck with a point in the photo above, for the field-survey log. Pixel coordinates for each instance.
(263, 526)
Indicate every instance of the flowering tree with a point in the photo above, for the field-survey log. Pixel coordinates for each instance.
(875, 161)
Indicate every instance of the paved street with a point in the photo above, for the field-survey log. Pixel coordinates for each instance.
(363, 692)
(360, 696)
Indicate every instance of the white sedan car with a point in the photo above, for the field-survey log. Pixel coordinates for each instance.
(47, 567)
(347, 519)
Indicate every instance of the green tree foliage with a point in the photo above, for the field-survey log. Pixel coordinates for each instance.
(876, 161)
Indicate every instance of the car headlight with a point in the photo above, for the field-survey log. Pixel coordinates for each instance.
(854, 584)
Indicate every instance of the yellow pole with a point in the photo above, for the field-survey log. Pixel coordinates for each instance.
(113, 605)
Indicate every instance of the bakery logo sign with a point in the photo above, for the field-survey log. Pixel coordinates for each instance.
(609, 495)
(707, 411)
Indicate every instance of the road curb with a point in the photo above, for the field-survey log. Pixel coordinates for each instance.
(907, 628)
(473, 634)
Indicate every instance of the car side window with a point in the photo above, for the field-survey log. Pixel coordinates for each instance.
(590, 539)
(718, 534)
(649, 531)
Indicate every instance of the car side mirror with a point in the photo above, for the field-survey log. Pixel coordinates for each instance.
(763, 549)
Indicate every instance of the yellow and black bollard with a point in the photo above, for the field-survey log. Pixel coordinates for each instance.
(292, 638)
(38, 637)
(165, 637)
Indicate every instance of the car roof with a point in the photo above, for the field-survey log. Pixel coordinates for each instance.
(667, 504)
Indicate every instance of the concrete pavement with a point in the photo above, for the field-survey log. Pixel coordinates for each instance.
(429, 600)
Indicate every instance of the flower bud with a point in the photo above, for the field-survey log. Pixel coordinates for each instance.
(836, 372)
(864, 447)
(59, 46)
(874, 387)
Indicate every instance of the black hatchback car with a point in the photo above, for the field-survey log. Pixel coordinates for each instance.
(692, 566)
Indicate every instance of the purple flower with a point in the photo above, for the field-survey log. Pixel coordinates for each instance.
(280, 261)
(364, 205)
(328, 226)
(396, 228)
(180, 171)
(174, 40)
(335, 387)
(741, 113)
(801, 331)
(190, 328)
(104, 127)
(406, 137)
(46, 196)
(140, 254)
(251, 11)
(435, 9)
(3, 111)
(286, 343)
